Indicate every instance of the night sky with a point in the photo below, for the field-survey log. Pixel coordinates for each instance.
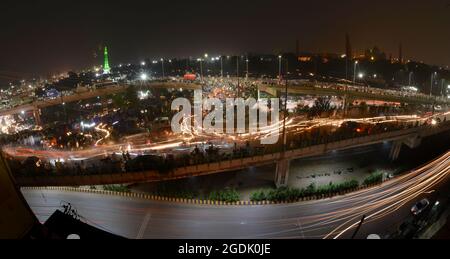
(40, 37)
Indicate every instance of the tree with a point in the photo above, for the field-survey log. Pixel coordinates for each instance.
(129, 97)
(321, 105)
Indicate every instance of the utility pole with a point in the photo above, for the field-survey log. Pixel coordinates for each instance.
(246, 74)
(354, 72)
(162, 64)
(359, 226)
(201, 69)
(221, 66)
(410, 78)
(279, 69)
(237, 74)
(432, 83)
(285, 115)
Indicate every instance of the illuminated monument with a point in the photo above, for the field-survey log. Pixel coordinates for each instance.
(106, 68)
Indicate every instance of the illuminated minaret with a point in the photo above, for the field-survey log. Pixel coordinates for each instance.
(106, 68)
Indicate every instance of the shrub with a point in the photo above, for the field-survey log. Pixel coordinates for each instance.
(374, 178)
(116, 188)
(258, 196)
(227, 195)
(292, 194)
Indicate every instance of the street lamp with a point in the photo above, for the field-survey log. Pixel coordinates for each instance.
(201, 67)
(354, 72)
(221, 66)
(144, 76)
(279, 67)
(162, 64)
(432, 82)
(246, 60)
(360, 75)
(410, 78)
(237, 67)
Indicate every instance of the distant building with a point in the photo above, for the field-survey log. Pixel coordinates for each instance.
(374, 54)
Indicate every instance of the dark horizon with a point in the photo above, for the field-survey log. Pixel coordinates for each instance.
(49, 37)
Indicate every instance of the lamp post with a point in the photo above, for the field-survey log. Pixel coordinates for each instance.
(143, 78)
(410, 79)
(237, 67)
(432, 82)
(162, 64)
(221, 66)
(201, 68)
(237, 74)
(279, 67)
(246, 74)
(354, 72)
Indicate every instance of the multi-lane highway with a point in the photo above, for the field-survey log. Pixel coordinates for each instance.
(385, 207)
(191, 138)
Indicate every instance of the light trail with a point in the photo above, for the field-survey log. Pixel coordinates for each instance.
(195, 136)
(101, 127)
(402, 190)
(331, 218)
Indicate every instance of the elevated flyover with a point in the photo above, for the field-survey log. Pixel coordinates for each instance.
(108, 90)
(409, 136)
(277, 90)
(274, 90)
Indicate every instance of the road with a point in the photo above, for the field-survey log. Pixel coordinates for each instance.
(191, 138)
(385, 207)
(106, 90)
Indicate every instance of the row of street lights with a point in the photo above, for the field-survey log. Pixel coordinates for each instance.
(433, 77)
(360, 75)
(221, 65)
(218, 58)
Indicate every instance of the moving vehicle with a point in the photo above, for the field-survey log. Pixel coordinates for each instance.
(420, 206)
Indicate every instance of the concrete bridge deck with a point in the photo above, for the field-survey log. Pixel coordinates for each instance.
(274, 90)
(404, 136)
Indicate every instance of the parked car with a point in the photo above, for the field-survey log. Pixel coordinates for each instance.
(420, 206)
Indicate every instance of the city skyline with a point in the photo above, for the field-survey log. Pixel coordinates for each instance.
(144, 31)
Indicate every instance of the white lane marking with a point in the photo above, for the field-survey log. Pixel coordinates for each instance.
(43, 197)
(300, 228)
(143, 226)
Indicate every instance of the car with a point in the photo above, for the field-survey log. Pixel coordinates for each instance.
(420, 206)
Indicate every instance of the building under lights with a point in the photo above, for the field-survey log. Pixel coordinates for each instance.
(106, 68)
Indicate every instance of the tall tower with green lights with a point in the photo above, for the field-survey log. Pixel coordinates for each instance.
(106, 68)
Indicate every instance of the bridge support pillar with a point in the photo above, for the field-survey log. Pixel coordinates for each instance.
(413, 142)
(282, 173)
(395, 150)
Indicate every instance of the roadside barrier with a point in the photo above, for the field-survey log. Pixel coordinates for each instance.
(199, 201)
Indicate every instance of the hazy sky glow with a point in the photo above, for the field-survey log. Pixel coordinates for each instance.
(38, 37)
